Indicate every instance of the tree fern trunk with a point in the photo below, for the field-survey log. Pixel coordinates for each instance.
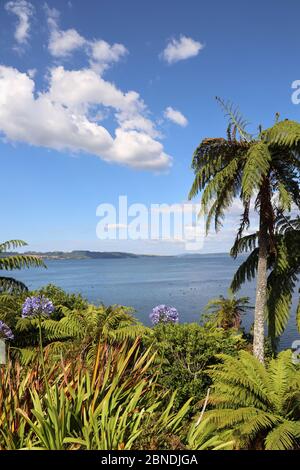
(261, 287)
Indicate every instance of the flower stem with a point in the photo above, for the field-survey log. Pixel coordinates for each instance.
(42, 358)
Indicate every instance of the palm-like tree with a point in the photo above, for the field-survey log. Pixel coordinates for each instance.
(260, 405)
(9, 262)
(227, 312)
(284, 272)
(254, 169)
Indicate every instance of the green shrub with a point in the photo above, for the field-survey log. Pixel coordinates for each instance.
(184, 351)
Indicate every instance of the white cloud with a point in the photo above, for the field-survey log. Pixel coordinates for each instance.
(23, 11)
(61, 44)
(82, 88)
(76, 88)
(67, 115)
(102, 54)
(175, 116)
(59, 118)
(180, 49)
(139, 150)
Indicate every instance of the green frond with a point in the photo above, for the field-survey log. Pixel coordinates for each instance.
(67, 327)
(236, 121)
(285, 133)
(285, 198)
(244, 244)
(259, 422)
(197, 185)
(281, 370)
(21, 261)
(282, 280)
(246, 271)
(259, 404)
(223, 178)
(256, 168)
(11, 244)
(9, 284)
(213, 155)
(286, 224)
(238, 418)
(222, 202)
(226, 313)
(285, 178)
(284, 437)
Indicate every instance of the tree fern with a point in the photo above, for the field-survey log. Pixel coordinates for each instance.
(227, 312)
(259, 405)
(262, 169)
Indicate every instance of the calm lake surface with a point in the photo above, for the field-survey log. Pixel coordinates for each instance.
(186, 283)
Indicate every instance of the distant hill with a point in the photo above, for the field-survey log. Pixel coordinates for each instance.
(81, 254)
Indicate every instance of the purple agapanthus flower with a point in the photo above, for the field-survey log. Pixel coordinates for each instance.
(164, 314)
(5, 331)
(37, 306)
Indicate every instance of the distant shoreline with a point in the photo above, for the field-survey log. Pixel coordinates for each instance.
(87, 254)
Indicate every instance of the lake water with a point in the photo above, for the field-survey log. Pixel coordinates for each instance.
(186, 283)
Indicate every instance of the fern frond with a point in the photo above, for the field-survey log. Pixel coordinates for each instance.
(9, 284)
(284, 437)
(236, 121)
(21, 261)
(259, 404)
(256, 168)
(11, 244)
(246, 271)
(285, 133)
(244, 244)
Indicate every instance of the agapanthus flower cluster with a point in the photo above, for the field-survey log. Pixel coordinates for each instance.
(5, 331)
(37, 306)
(164, 314)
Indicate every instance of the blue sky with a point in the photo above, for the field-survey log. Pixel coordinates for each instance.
(106, 98)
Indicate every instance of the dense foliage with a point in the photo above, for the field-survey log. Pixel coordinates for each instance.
(260, 405)
(184, 351)
(82, 376)
(109, 403)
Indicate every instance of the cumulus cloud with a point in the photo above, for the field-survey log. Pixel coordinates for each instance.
(60, 117)
(62, 43)
(175, 116)
(80, 89)
(181, 49)
(69, 113)
(23, 11)
(102, 54)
